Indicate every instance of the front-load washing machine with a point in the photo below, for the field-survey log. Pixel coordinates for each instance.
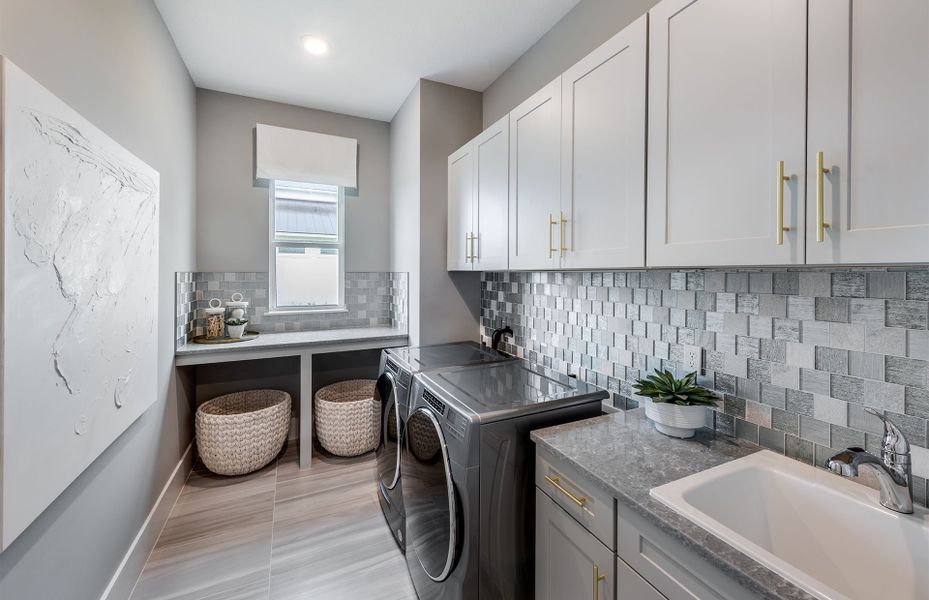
(468, 471)
(397, 367)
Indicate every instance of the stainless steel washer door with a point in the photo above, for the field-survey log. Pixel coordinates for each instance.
(388, 450)
(429, 496)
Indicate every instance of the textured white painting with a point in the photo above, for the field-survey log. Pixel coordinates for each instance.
(80, 288)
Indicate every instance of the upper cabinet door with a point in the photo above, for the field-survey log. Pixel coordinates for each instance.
(535, 183)
(492, 190)
(603, 154)
(869, 117)
(460, 202)
(726, 103)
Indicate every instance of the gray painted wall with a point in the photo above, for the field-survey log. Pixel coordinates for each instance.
(404, 201)
(450, 301)
(435, 120)
(588, 25)
(115, 63)
(232, 212)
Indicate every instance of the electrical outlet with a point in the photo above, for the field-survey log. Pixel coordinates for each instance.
(692, 358)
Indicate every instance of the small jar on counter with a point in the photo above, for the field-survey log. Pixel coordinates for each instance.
(215, 319)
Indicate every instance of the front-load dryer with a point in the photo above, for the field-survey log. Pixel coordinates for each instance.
(468, 472)
(397, 367)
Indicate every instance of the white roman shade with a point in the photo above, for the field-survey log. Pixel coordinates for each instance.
(293, 155)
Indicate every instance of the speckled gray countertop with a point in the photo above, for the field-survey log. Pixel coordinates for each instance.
(624, 454)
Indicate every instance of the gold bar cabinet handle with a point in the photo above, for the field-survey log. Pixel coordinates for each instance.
(820, 216)
(779, 225)
(597, 579)
(551, 223)
(561, 234)
(555, 481)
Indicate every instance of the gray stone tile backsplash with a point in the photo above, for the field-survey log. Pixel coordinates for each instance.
(796, 354)
(371, 299)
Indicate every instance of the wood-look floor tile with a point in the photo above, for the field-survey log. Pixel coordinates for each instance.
(203, 519)
(283, 533)
(330, 539)
(203, 484)
(206, 567)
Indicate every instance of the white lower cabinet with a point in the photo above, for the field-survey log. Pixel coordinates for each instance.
(570, 562)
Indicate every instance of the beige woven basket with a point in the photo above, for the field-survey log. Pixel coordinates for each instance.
(242, 432)
(347, 417)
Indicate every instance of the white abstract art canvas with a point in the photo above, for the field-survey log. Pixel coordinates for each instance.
(80, 289)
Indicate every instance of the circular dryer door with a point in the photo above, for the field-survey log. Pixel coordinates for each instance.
(429, 495)
(388, 450)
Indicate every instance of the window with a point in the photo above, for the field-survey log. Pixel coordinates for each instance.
(307, 243)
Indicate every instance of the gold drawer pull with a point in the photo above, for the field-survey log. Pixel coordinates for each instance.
(820, 210)
(556, 481)
(779, 227)
(597, 579)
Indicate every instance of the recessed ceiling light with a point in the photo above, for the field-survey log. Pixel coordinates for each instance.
(314, 45)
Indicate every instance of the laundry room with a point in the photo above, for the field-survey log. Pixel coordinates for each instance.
(464, 300)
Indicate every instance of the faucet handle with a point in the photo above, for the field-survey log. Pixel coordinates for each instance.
(893, 441)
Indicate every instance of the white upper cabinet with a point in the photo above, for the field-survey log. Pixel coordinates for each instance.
(603, 154)
(869, 117)
(478, 191)
(535, 182)
(460, 208)
(489, 248)
(726, 103)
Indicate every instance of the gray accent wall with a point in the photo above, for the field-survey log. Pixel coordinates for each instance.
(585, 27)
(115, 63)
(796, 355)
(435, 120)
(232, 211)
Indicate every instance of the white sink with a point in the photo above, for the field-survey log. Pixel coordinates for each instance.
(826, 534)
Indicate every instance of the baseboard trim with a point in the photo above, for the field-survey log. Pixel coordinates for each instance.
(128, 571)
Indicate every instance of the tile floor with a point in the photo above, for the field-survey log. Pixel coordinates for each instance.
(281, 533)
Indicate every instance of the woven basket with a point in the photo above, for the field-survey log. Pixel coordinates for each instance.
(347, 417)
(242, 432)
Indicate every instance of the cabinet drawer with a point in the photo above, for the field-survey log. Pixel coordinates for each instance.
(631, 586)
(677, 572)
(578, 496)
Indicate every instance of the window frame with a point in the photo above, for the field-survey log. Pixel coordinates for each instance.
(274, 244)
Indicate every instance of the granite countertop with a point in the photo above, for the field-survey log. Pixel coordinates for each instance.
(624, 454)
(273, 341)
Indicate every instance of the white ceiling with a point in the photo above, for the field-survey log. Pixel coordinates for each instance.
(378, 49)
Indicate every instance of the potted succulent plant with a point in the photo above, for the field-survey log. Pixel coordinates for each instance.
(235, 328)
(677, 406)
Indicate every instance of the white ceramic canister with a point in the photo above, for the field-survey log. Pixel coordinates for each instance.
(237, 306)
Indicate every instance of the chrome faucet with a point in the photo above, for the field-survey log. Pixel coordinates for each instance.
(893, 469)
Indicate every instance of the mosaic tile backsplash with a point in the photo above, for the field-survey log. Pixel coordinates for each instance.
(371, 300)
(795, 354)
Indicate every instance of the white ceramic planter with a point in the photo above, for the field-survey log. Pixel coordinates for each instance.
(236, 331)
(675, 420)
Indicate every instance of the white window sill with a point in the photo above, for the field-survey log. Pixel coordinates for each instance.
(305, 311)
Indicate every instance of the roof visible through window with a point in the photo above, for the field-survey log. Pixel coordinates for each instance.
(306, 209)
